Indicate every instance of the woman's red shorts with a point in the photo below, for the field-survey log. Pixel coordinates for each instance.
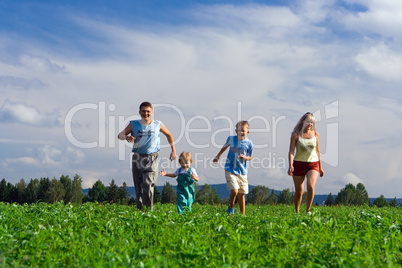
(301, 168)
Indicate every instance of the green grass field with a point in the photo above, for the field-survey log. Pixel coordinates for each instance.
(93, 235)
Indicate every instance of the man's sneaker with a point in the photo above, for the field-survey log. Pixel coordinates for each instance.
(230, 210)
(309, 213)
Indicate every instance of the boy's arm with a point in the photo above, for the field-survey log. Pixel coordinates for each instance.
(248, 154)
(245, 157)
(216, 159)
(170, 139)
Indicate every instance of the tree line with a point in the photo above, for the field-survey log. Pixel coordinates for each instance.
(64, 189)
(42, 190)
(70, 191)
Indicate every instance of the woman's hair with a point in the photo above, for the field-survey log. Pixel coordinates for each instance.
(186, 156)
(299, 126)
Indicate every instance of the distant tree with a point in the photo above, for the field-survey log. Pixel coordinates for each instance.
(351, 195)
(258, 195)
(304, 198)
(272, 198)
(207, 196)
(168, 194)
(21, 191)
(330, 200)
(157, 195)
(361, 196)
(86, 198)
(76, 190)
(3, 188)
(393, 203)
(345, 195)
(202, 195)
(131, 201)
(214, 197)
(67, 185)
(224, 201)
(98, 192)
(285, 197)
(56, 191)
(12, 192)
(124, 195)
(196, 187)
(32, 191)
(44, 184)
(20, 188)
(380, 202)
(113, 195)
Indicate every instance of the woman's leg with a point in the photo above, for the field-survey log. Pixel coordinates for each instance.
(312, 176)
(297, 198)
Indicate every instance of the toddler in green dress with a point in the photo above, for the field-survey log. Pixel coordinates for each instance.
(186, 177)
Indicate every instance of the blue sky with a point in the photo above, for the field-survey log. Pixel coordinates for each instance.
(73, 73)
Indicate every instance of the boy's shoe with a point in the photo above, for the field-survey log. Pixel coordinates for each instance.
(309, 213)
(230, 210)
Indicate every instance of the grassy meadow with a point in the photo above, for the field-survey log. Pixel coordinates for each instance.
(95, 235)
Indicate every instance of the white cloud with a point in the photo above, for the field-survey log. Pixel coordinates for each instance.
(382, 62)
(50, 155)
(22, 161)
(89, 177)
(40, 64)
(18, 112)
(235, 18)
(75, 155)
(10, 83)
(381, 17)
(352, 178)
(315, 11)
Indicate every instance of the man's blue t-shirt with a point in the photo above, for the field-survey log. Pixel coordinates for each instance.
(237, 147)
(147, 137)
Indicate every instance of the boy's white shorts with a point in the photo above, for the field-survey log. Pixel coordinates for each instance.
(234, 182)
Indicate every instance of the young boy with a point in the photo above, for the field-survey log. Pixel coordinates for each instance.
(145, 136)
(241, 149)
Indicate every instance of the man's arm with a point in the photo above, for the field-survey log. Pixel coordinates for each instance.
(124, 135)
(170, 139)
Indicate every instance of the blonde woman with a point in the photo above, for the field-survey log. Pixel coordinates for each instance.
(307, 161)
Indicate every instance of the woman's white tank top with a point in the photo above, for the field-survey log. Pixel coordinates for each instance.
(306, 150)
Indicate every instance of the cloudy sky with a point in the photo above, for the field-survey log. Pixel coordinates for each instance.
(73, 73)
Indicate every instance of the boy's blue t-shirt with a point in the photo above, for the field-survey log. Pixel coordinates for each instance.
(147, 137)
(237, 147)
